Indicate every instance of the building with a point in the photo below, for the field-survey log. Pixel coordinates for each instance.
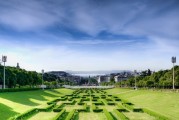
(103, 78)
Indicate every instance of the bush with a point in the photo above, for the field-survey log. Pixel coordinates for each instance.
(95, 109)
(98, 103)
(117, 99)
(120, 115)
(157, 115)
(108, 115)
(137, 110)
(59, 115)
(25, 115)
(46, 109)
(130, 107)
(18, 89)
(71, 115)
(58, 108)
(111, 103)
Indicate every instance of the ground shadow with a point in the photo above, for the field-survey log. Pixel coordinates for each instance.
(4, 110)
(24, 97)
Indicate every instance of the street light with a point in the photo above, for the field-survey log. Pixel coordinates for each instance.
(135, 72)
(4, 59)
(42, 79)
(173, 61)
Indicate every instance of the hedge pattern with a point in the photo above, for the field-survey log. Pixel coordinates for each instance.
(81, 97)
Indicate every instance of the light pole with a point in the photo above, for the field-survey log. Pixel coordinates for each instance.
(4, 59)
(173, 61)
(135, 72)
(42, 79)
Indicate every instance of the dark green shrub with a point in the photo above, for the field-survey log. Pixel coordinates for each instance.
(120, 115)
(59, 115)
(137, 110)
(108, 115)
(111, 103)
(157, 115)
(18, 89)
(46, 108)
(26, 114)
(71, 115)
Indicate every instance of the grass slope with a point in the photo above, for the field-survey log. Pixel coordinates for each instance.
(12, 103)
(164, 102)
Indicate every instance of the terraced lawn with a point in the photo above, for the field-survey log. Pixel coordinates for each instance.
(164, 103)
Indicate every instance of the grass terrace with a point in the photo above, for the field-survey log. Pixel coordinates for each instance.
(90, 104)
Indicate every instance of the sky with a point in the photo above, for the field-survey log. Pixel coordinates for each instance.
(87, 35)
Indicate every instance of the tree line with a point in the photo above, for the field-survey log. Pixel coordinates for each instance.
(160, 79)
(18, 78)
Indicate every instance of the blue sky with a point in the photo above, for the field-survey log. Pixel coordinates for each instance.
(89, 34)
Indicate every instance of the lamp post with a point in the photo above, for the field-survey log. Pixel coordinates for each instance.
(173, 61)
(42, 79)
(4, 59)
(135, 72)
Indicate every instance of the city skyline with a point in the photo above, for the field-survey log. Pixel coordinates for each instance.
(89, 35)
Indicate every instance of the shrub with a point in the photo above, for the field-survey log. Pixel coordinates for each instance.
(120, 115)
(25, 115)
(111, 103)
(157, 115)
(47, 108)
(95, 109)
(130, 107)
(59, 115)
(71, 115)
(108, 115)
(58, 108)
(18, 89)
(137, 110)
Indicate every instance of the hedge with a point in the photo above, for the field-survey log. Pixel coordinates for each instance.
(25, 115)
(18, 89)
(83, 109)
(96, 109)
(111, 103)
(46, 109)
(59, 115)
(130, 107)
(58, 108)
(157, 115)
(71, 115)
(108, 115)
(120, 115)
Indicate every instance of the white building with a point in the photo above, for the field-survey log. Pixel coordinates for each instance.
(103, 78)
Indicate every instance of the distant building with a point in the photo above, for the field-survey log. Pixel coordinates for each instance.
(103, 78)
(119, 78)
(17, 65)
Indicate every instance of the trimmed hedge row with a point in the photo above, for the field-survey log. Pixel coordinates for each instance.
(157, 115)
(96, 109)
(25, 115)
(108, 115)
(18, 89)
(48, 108)
(59, 115)
(120, 115)
(131, 107)
(58, 108)
(71, 115)
(70, 103)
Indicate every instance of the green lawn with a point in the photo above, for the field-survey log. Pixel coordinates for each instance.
(163, 102)
(92, 116)
(12, 103)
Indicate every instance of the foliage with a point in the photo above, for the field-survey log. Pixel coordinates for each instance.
(160, 79)
(108, 115)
